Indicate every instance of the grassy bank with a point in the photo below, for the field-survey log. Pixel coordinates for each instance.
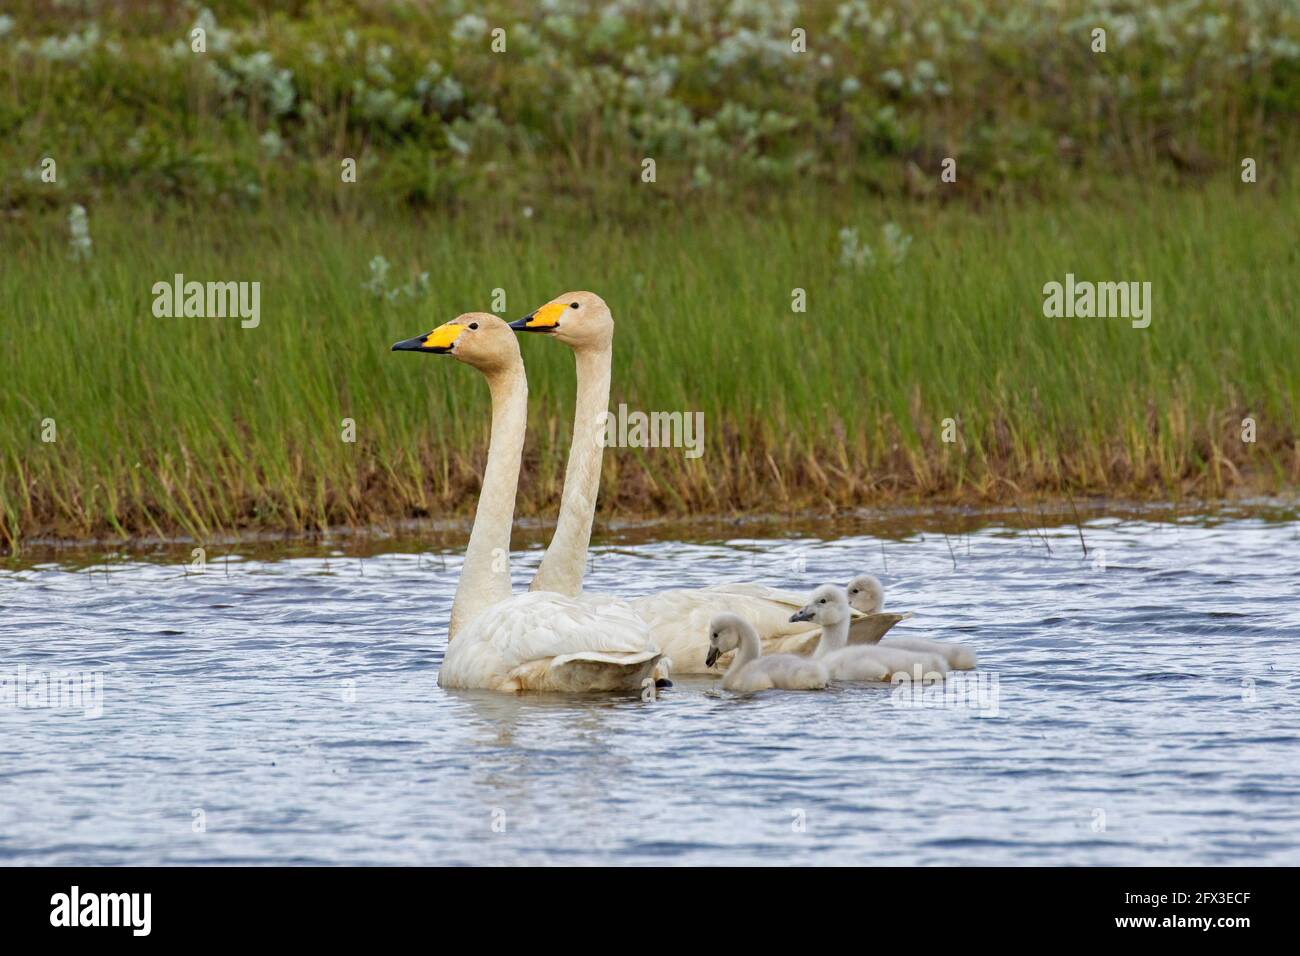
(198, 425)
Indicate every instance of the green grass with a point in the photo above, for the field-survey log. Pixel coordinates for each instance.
(198, 426)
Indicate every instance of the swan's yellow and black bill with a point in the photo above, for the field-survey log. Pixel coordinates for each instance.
(439, 340)
(545, 319)
(712, 658)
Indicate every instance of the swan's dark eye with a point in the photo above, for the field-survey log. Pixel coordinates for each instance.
(473, 325)
(853, 590)
(822, 601)
(573, 305)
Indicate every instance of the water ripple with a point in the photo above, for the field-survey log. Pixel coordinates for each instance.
(286, 712)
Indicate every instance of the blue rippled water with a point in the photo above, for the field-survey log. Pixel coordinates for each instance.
(287, 712)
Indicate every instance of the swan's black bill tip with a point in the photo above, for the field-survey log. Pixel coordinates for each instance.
(521, 325)
(417, 345)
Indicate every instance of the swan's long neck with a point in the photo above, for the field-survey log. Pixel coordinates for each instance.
(566, 558)
(834, 636)
(751, 648)
(485, 576)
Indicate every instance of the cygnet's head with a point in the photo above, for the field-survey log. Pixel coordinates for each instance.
(725, 631)
(480, 339)
(828, 605)
(866, 594)
(580, 320)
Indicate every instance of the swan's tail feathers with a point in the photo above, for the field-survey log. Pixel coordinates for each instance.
(602, 670)
(870, 628)
(961, 658)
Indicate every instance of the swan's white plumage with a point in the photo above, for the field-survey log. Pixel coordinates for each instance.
(867, 594)
(678, 619)
(959, 657)
(776, 672)
(545, 641)
(828, 606)
(871, 662)
(750, 671)
(881, 662)
(541, 640)
(854, 664)
(582, 321)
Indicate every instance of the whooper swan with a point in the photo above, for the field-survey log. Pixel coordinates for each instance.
(829, 607)
(678, 618)
(866, 594)
(750, 669)
(540, 640)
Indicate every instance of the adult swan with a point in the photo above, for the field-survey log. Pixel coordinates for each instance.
(678, 619)
(540, 640)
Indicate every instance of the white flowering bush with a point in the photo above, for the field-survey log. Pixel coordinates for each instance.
(80, 244)
(896, 242)
(855, 254)
(379, 285)
(259, 78)
(71, 48)
(718, 92)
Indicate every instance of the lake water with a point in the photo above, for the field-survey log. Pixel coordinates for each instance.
(1138, 707)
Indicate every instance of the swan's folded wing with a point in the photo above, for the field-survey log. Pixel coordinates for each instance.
(540, 625)
(605, 657)
(751, 589)
(870, 628)
(542, 641)
(686, 612)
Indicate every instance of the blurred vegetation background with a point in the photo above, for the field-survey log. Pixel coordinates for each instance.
(522, 170)
(583, 91)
